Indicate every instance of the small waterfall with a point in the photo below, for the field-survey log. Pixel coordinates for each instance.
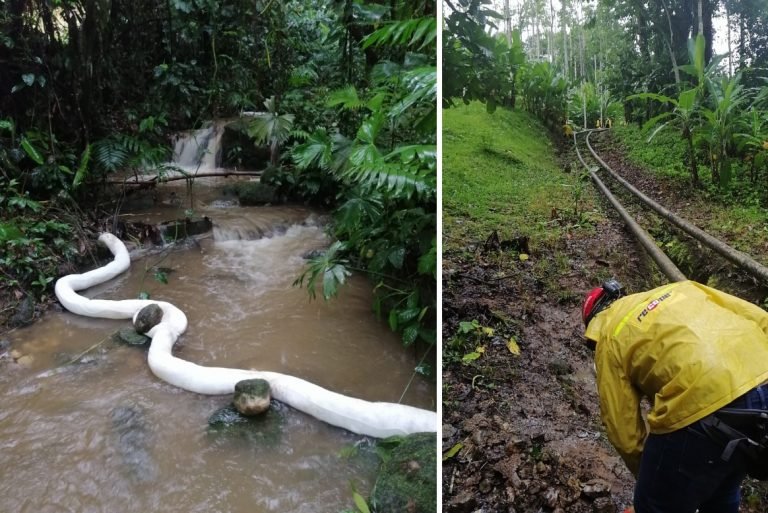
(264, 225)
(199, 150)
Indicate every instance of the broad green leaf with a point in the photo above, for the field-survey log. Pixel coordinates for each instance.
(652, 96)
(360, 503)
(83, 168)
(427, 263)
(396, 257)
(370, 128)
(410, 334)
(407, 315)
(9, 232)
(453, 451)
(468, 327)
(31, 151)
(393, 320)
(471, 357)
(687, 99)
(28, 78)
(655, 120)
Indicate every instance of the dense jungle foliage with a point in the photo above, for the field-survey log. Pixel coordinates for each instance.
(348, 92)
(653, 63)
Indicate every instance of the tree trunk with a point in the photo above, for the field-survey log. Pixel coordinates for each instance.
(742, 39)
(730, 50)
(700, 17)
(707, 29)
(565, 40)
(670, 43)
(508, 22)
(692, 156)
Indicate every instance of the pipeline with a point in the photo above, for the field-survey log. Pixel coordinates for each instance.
(666, 265)
(733, 255)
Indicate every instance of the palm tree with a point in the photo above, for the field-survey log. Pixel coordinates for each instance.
(273, 128)
(752, 139)
(727, 96)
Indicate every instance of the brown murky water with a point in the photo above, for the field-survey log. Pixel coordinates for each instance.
(105, 435)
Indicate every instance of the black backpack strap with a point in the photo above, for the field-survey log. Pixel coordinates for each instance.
(719, 431)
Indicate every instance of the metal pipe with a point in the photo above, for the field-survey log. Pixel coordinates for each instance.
(666, 265)
(733, 255)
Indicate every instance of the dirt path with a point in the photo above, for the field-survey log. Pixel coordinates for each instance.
(529, 425)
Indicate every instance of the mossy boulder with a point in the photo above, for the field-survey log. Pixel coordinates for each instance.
(252, 396)
(147, 318)
(407, 479)
(227, 424)
(24, 314)
(131, 337)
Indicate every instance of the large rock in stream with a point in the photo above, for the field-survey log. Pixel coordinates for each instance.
(147, 318)
(129, 336)
(252, 396)
(407, 480)
(228, 425)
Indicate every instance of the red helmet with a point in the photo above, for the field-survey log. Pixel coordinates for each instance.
(600, 298)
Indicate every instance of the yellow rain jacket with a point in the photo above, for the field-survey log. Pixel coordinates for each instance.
(688, 348)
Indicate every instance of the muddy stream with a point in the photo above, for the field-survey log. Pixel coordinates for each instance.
(105, 435)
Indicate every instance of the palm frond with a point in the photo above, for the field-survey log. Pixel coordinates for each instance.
(416, 33)
(317, 150)
(110, 154)
(347, 97)
(422, 86)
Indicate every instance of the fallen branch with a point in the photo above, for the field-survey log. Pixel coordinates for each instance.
(154, 180)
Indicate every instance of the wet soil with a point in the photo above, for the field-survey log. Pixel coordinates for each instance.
(522, 433)
(529, 425)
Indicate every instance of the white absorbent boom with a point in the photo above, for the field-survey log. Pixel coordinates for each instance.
(376, 419)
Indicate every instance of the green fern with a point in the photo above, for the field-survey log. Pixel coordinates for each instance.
(110, 154)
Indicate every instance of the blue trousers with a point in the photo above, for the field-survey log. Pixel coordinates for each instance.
(682, 471)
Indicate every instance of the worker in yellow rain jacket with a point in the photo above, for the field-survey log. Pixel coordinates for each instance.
(691, 351)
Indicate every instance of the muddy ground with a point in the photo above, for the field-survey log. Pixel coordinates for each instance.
(522, 433)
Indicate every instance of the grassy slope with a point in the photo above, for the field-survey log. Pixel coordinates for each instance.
(735, 216)
(500, 173)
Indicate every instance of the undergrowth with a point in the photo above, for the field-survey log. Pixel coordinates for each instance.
(736, 214)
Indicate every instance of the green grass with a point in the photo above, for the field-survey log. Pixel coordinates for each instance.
(665, 153)
(500, 173)
(736, 214)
